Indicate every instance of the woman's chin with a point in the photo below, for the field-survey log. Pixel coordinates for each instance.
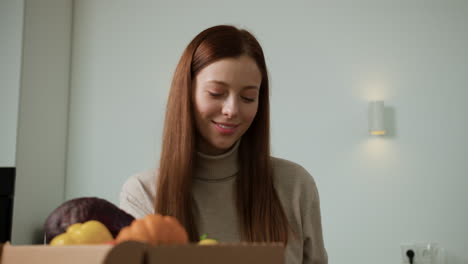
(221, 148)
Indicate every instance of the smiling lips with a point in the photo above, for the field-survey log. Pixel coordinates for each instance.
(225, 128)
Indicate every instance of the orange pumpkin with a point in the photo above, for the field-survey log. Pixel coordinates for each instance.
(154, 229)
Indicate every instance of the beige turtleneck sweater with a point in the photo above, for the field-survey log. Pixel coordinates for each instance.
(213, 192)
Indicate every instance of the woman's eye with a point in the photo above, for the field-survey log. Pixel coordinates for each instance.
(215, 94)
(247, 99)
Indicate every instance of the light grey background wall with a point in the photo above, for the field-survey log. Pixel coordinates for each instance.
(11, 29)
(326, 61)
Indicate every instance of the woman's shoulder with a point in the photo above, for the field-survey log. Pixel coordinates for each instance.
(294, 183)
(290, 173)
(138, 193)
(144, 181)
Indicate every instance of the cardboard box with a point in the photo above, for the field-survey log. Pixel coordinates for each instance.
(141, 253)
(47, 254)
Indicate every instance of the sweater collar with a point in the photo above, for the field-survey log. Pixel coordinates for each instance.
(217, 167)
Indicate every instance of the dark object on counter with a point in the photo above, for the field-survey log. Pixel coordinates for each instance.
(83, 209)
(7, 190)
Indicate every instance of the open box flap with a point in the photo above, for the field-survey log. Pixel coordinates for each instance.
(245, 253)
(127, 252)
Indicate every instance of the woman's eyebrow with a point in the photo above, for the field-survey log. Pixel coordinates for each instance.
(225, 84)
(250, 87)
(217, 82)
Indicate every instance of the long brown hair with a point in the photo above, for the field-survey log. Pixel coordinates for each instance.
(261, 216)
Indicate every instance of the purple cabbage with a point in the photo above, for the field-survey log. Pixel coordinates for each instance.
(83, 209)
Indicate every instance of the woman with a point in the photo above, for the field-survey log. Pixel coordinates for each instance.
(216, 175)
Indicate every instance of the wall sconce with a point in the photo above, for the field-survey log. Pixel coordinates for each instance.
(376, 118)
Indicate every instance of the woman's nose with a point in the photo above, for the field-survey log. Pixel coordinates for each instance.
(230, 108)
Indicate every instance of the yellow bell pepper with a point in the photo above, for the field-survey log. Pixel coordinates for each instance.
(204, 241)
(208, 241)
(90, 232)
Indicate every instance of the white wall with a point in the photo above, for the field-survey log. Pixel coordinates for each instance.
(43, 116)
(326, 60)
(11, 29)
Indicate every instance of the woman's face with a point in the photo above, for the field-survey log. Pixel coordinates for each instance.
(225, 98)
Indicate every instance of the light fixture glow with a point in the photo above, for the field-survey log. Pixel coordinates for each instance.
(378, 133)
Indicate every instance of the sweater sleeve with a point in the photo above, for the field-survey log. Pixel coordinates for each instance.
(314, 249)
(135, 198)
